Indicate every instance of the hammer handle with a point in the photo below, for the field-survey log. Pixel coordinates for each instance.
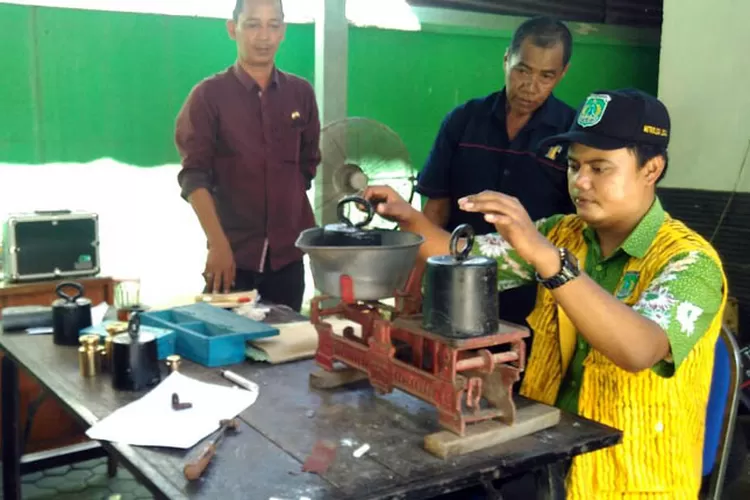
(195, 469)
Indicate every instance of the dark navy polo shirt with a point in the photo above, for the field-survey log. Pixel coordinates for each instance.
(472, 153)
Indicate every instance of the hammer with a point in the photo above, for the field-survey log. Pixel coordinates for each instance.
(194, 469)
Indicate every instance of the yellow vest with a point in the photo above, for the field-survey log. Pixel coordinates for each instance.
(662, 419)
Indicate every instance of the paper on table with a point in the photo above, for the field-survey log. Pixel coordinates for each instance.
(98, 313)
(151, 421)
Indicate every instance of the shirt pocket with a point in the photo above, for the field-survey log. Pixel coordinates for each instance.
(287, 137)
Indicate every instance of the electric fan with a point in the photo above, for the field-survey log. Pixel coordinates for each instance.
(356, 153)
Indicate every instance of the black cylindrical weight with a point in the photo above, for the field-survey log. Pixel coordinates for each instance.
(70, 315)
(460, 292)
(135, 362)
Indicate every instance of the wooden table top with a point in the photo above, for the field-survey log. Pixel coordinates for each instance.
(264, 459)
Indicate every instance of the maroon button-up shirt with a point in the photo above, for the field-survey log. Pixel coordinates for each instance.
(257, 153)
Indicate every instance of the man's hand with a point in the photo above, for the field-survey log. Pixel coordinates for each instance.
(388, 204)
(514, 224)
(220, 268)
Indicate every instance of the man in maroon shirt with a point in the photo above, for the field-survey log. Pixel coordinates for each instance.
(249, 141)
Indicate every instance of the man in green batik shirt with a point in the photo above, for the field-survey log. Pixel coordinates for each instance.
(685, 296)
(677, 289)
(647, 291)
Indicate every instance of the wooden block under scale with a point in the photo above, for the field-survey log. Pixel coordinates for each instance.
(530, 418)
(323, 379)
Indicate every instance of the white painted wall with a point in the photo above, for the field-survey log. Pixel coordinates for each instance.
(147, 231)
(704, 80)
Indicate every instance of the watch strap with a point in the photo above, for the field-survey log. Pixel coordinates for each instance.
(569, 271)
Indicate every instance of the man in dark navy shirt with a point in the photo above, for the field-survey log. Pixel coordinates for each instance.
(249, 141)
(490, 143)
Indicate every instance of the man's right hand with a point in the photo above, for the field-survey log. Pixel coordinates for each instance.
(220, 268)
(388, 204)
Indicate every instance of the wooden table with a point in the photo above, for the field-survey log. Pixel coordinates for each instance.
(278, 433)
(52, 426)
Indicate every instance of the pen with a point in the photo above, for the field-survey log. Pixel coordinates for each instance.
(241, 381)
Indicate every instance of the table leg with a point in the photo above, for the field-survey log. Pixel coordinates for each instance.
(491, 493)
(11, 431)
(551, 481)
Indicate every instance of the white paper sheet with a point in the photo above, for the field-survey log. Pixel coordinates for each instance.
(98, 312)
(151, 421)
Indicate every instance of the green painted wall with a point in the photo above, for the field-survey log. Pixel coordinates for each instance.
(80, 85)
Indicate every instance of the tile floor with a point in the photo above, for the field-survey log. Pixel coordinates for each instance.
(83, 481)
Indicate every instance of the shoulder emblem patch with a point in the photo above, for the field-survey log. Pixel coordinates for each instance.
(553, 152)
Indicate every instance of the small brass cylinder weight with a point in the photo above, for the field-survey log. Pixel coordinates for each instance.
(173, 363)
(89, 361)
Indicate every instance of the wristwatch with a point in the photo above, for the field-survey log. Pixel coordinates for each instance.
(569, 271)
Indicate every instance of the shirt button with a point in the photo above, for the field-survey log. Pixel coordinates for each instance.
(599, 267)
(506, 172)
(659, 427)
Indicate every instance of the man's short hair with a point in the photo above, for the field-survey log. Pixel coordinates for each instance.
(646, 152)
(240, 6)
(544, 32)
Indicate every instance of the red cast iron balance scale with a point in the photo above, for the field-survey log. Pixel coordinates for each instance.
(446, 348)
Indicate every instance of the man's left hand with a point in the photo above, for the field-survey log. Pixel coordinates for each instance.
(514, 224)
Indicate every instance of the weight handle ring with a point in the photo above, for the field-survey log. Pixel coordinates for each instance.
(60, 291)
(463, 231)
(359, 201)
(134, 326)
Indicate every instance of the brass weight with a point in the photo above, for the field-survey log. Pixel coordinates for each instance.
(89, 361)
(105, 351)
(173, 362)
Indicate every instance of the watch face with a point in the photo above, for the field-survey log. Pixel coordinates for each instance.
(570, 269)
(570, 259)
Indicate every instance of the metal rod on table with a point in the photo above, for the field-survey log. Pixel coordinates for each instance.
(481, 361)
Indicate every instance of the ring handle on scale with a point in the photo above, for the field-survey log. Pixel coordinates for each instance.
(359, 200)
(134, 326)
(60, 291)
(463, 231)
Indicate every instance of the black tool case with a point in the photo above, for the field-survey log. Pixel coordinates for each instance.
(50, 244)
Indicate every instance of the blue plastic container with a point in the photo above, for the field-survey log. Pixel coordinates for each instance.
(209, 335)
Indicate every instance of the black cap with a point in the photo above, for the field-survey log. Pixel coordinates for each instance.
(614, 119)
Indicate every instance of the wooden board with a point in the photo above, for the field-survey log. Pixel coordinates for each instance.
(227, 300)
(529, 419)
(296, 340)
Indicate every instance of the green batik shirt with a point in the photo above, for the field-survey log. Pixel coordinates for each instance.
(683, 298)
